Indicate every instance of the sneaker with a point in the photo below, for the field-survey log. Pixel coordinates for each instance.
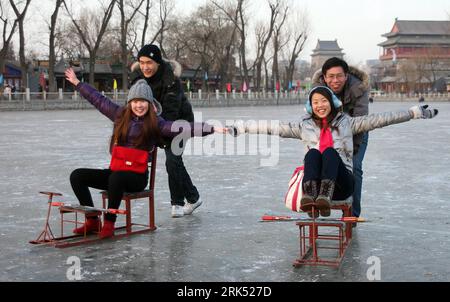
(190, 207)
(177, 211)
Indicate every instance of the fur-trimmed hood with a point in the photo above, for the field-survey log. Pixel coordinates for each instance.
(176, 67)
(363, 83)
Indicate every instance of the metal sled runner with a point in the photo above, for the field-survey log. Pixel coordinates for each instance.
(130, 228)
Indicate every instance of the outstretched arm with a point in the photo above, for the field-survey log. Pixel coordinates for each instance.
(378, 120)
(287, 130)
(172, 129)
(102, 103)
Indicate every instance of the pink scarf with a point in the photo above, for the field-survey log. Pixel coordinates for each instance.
(326, 139)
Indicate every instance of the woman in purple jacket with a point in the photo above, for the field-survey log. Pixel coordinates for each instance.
(136, 125)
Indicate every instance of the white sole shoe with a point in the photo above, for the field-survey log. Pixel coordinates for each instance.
(190, 207)
(177, 211)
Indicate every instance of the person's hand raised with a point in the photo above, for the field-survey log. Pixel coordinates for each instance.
(71, 76)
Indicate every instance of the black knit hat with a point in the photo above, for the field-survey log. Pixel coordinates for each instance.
(151, 51)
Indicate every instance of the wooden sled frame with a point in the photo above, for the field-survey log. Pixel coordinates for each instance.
(47, 236)
(309, 235)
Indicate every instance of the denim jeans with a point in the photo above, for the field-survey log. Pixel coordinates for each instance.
(180, 183)
(358, 173)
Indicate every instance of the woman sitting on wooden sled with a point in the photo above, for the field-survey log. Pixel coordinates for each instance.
(327, 134)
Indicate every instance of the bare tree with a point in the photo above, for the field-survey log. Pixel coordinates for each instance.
(146, 15)
(52, 46)
(20, 15)
(133, 8)
(430, 63)
(297, 40)
(110, 47)
(266, 72)
(68, 43)
(161, 24)
(420, 66)
(408, 72)
(165, 8)
(177, 38)
(437, 61)
(226, 61)
(210, 47)
(91, 31)
(236, 14)
(7, 34)
(263, 36)
(133, 37)
(200, 42)
(278, 44)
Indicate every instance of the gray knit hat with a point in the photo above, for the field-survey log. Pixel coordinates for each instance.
(141, 90)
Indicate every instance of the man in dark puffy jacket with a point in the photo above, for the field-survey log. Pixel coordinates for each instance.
(352, 87)
(167, 89)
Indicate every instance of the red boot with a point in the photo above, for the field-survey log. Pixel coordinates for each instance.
(92, 225)
(107, 230)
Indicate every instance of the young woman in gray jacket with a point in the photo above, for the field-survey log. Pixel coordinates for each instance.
(327, 134)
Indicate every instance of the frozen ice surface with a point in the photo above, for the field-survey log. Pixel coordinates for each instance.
(406, 196)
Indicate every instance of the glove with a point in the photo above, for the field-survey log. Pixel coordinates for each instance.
(236, 129)
(423, 112)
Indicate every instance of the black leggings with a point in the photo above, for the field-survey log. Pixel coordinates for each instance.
(329, 165)
(116, 183)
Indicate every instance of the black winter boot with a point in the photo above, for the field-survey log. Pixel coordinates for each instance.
(323, 201)
(310, 192)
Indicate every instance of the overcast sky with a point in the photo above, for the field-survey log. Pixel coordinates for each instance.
(356, 24)
(359, 24)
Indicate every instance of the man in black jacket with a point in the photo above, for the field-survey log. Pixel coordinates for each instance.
(166, 85)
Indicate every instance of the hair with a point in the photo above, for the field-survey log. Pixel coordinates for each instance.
(334, 62)
(150, 131)
(334, 111)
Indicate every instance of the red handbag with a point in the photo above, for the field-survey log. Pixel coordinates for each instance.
(129, 159)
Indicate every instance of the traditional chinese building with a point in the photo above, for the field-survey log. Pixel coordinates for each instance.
(415, 56)
(323, 51)
(104, 73)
